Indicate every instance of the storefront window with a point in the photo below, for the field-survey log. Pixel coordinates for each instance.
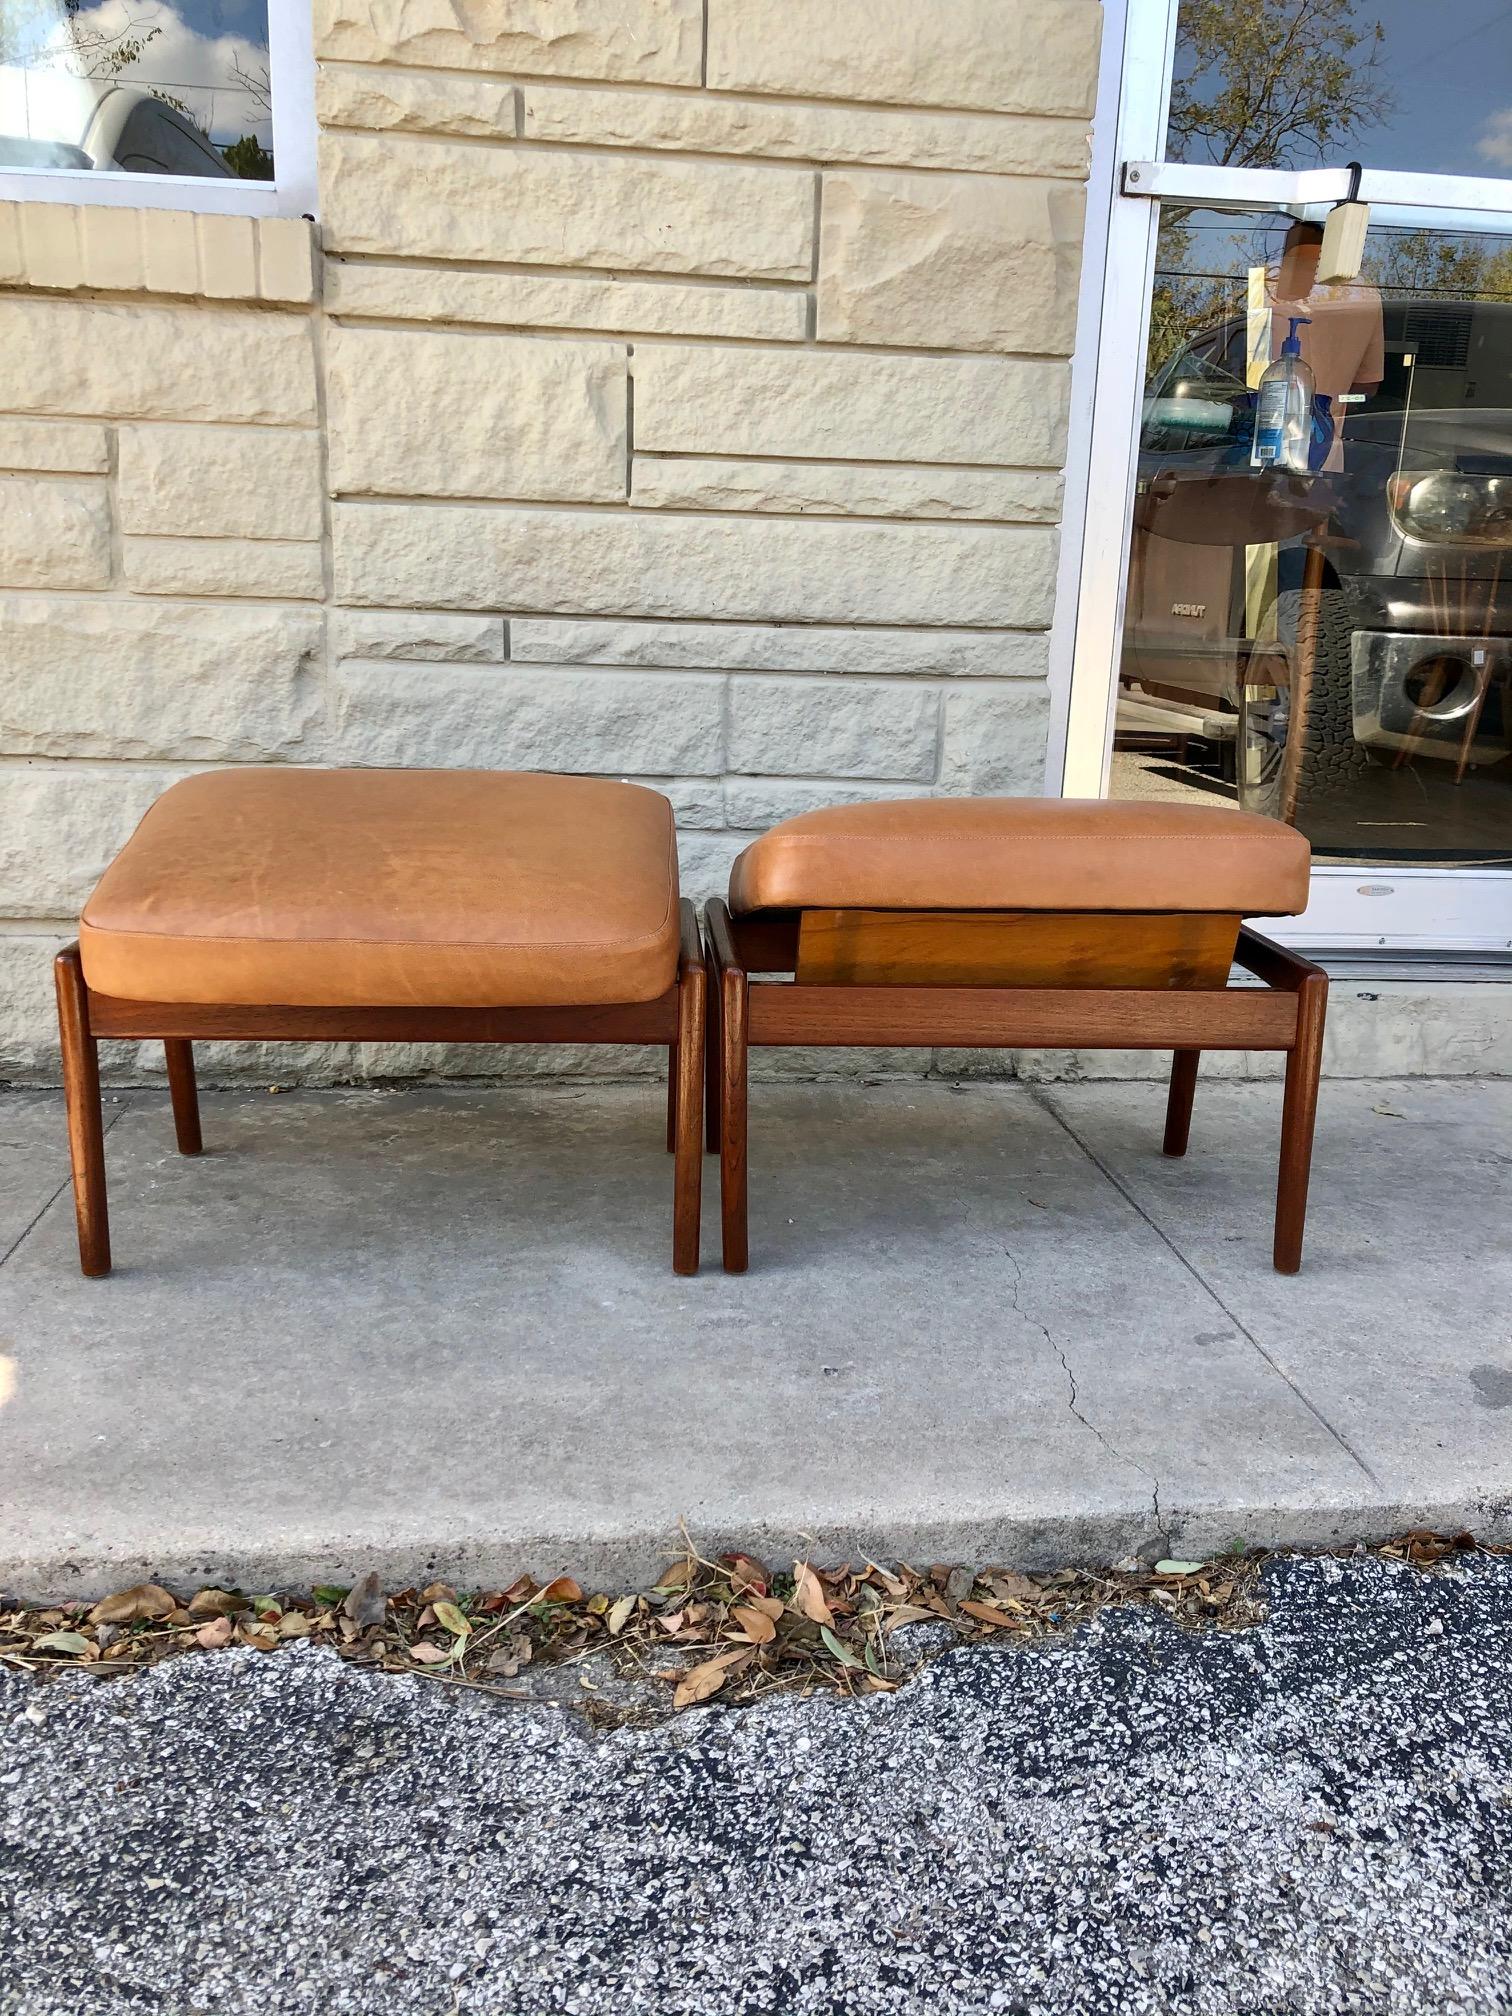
(145, 89)
(1320, 627)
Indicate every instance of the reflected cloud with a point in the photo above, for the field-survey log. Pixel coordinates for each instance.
(217, 78)
(1494, 141)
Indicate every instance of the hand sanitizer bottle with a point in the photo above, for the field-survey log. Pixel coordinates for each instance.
(1284, 409)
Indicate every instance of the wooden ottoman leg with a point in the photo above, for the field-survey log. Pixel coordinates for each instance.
(734, 1000)
(1304, 1064)
(184, 1093)
(1178, 1125)
(671, 1098)
(692, 1023)
(713, 1065)
(86, 1129)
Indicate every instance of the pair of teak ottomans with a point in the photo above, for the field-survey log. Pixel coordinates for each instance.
(477, 907)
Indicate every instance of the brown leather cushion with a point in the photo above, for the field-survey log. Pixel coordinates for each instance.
(390, 888)
(1024, 854)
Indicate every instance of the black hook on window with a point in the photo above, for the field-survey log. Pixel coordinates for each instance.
(1355, 172)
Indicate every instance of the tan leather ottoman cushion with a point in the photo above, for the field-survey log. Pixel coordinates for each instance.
(390, 888)
(1025, 854)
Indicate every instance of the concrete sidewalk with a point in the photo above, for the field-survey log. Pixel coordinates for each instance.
(437, 1330)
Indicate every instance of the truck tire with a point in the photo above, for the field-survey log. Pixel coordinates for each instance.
(1329, 760)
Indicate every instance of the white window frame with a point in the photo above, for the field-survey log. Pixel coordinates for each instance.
(291, 69)
(1460, 910)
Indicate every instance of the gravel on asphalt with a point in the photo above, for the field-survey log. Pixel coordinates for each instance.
(1312, 1815)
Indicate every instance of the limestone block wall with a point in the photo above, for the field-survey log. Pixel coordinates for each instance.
(671, 389)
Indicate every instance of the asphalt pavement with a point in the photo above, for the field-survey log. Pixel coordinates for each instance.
(1313, 1815)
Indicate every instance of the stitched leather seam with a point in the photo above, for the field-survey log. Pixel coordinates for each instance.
(1007, 839)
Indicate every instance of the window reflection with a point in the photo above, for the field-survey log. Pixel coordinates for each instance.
(1330, 644)
(1299, 83)
(146, 88)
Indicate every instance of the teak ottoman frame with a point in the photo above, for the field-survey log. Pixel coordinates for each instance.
(874, 977)
(370, 906)
(678, 1019)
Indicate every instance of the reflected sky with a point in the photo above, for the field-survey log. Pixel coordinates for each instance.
(1448, 71)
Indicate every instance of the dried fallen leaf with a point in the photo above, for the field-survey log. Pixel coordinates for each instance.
(294, 1624)
(748, 1577)
(1008, 1582)
(365, 1603)
(808, 1595)
(837, 1648)
(142, 1601)
(989, 1613)
(219, 1631)
(1179, 1567)
(562, 1590)
(64, 1641)
(620, 1614)
(218, 1603)
(451, 1617)
(430, 1655)
(707, 1679)
(756, 1624)
(262, 1637)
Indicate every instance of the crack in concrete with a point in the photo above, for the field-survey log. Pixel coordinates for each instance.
(1073, 1402)
(1049, 1106)
(31, 1225)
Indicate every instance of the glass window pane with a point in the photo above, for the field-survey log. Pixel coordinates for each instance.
(1319, 620)
(1307, 83)
(145, 88)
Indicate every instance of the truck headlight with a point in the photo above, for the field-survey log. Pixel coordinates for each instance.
(1448, 506)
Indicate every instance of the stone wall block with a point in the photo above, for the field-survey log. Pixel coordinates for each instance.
(227, 257)
(60, 829)
(752, 804)
(845, 489)
(271, 569)
(993, 741)
(950, 262)
(741, 647)
(93, 677)
(528, 301)
(423, 199)
(983, 143)
(406, 101)
(112, 249)
(862, 408)
(834, 728)
(170, 251)
(53, 533)
(464, 717)
(416, 633)
(52, 245)
(1037, 56)
(151, 362)
(58, 446)
(438, 414)
(220, 482)
(744, 569)
(286, 260)
(650, 41)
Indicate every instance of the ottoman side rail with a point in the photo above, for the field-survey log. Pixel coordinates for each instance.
(620, 1022)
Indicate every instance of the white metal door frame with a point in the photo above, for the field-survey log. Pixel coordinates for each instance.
(1410, 910)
